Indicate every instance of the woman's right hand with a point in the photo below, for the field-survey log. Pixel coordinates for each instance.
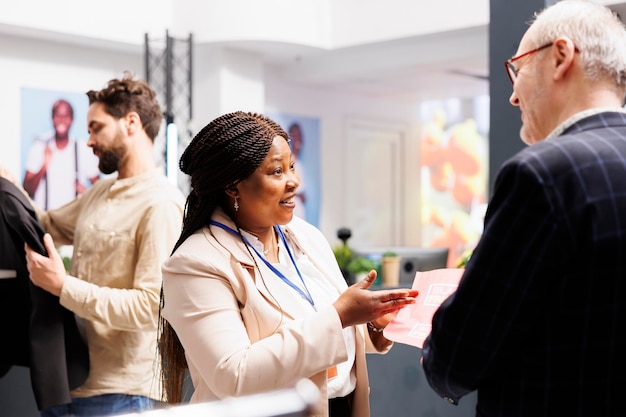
(358, 304)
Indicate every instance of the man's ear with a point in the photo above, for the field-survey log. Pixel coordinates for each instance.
(563, 53)
(133, 123)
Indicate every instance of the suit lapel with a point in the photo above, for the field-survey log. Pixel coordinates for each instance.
(280, 294)
(312, 249)
(274, 290)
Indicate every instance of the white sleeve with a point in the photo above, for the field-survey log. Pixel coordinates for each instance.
(36, 154)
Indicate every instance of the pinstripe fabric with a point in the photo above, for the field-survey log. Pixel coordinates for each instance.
(538, 323)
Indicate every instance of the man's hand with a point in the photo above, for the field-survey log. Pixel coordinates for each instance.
(47, 273)
(5, 173)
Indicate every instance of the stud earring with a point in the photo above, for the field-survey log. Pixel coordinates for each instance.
(236, 205)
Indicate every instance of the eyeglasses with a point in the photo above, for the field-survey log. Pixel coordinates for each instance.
(512, 70)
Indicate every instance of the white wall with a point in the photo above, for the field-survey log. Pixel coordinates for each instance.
(85, 51)
(335, 111)
(54, 66)
(116, 20)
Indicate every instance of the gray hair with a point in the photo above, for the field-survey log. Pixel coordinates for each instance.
(597, 32)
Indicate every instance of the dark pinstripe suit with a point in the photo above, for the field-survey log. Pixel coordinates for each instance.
(538, 323)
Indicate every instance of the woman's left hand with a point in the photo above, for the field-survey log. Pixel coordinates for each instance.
(382, 321)
(358, 304)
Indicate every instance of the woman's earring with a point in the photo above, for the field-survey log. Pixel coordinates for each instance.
(236, 205)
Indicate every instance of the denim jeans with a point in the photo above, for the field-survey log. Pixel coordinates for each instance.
(101, 405)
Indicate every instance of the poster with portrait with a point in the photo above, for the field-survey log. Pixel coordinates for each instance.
(454, 173)
(304, 134)
(56, 163)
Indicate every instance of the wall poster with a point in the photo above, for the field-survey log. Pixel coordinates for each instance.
(56, 163)
(454, 173)
(304, 133)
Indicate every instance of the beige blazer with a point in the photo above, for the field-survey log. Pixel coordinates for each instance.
(245, 332)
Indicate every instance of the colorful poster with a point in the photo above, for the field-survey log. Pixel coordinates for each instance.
(454, 161)
(56, 163)
(304, 134)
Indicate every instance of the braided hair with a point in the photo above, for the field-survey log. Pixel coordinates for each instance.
(225, 152)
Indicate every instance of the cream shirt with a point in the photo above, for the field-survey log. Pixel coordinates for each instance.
(122, 231)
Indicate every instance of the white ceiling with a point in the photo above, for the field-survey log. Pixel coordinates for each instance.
(449, 64)
(411, 69)
(424, 67)
(433, 66)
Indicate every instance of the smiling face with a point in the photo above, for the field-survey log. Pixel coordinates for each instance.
(266, 197)
(62, 120)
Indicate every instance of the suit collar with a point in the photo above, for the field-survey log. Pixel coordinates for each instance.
(276, 292)
(8, 187)
(590, 119)
(239, 250)
(235, 246)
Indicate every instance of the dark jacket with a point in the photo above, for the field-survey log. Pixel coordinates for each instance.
(37, 331)
(537, 324)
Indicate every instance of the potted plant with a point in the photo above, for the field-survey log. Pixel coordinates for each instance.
(360, 266)
(390, 269)
(343, 253)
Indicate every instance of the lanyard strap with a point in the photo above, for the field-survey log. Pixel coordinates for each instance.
(307, 296)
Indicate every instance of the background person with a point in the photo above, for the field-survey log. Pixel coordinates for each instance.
(536, 324)
(58, 168)
(122, 230)
(296, 141)
(254, 293)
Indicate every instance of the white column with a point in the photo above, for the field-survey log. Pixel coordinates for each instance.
(226, 80)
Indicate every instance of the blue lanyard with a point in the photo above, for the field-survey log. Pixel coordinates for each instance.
(307, 296)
